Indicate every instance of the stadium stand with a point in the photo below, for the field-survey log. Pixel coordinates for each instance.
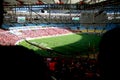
(45, 19)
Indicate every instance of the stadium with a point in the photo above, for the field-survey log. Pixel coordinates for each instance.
(69, 30)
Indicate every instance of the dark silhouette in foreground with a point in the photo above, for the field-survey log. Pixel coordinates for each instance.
(18, 62)
(108, 57)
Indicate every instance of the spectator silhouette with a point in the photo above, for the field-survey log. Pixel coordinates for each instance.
(18, 62)
(108, 57)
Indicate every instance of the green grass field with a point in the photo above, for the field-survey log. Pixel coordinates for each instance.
(67, 45)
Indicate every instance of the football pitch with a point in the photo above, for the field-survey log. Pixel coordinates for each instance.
(65, 45)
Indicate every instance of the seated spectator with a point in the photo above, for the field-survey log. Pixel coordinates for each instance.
(108, 57)
(18, 62)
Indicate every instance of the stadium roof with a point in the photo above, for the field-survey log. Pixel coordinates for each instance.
(13, 2)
